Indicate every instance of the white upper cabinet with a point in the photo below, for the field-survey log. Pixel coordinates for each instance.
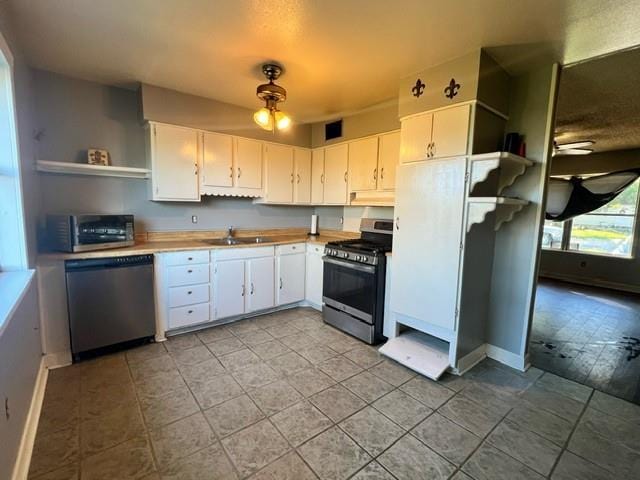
(415, 138)
(248, 163)
(279, 174)
(336, 161)
(173, 160)
(389, 155)
(450, 132)
(317, 176)
(217, 161)
(363, 164)
(302, 176)
(260, 284)
(443, 133)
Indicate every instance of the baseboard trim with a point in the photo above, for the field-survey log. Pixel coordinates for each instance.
(471, 359)
(510, 359)
(57, 360)
(591, 282)
(21, 468)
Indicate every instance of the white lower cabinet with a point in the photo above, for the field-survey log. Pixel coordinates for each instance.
(314, 273)
(229, 289)
(243, 281)
(259, 290)
(182, 289)
(290, 273)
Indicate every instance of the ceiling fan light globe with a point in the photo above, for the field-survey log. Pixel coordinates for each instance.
(283, 121)
(263, 118)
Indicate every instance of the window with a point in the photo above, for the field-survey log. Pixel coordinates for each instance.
(606, 231)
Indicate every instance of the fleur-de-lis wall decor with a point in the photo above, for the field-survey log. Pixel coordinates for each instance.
(418, 88)
(452, 90)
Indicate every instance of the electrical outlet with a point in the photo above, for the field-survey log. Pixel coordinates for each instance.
(194, 219)
(341, 220)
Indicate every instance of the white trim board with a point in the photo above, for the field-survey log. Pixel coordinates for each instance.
(470, 360)
(508, 358)
(21, 467)
(590, 282)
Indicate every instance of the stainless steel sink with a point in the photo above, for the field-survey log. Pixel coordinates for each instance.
(237, 240)
(224, 241)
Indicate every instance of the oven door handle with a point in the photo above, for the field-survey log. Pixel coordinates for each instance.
(356, 266)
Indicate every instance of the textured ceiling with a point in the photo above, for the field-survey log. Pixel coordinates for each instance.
(599, 100)
(340, 55)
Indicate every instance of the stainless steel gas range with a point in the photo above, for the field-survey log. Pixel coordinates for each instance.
(354, 280)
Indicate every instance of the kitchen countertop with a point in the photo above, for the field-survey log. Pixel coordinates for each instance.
(159, 246)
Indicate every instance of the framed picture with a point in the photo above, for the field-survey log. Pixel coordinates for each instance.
(97, 157)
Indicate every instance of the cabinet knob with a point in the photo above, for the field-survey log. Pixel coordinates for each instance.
(292, 178)
(190, 258)
(189, 271)
(345, 177)
(298, 178)
(189, 292)
(190, 312)
(397, 223)
(375, 174)
(322, 178)
(239, 172)
(230, 172)
(382, 173)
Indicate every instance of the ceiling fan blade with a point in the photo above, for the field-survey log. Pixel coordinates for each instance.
(572, 145)
(574, 151)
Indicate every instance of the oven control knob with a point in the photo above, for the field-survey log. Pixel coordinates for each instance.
(357, 258)
(345, 255)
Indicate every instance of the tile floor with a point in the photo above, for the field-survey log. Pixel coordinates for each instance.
(589, 335)
(284, 396)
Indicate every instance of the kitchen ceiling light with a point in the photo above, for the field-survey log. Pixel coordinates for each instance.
(270, 117)
(573, 148)
(581, 144)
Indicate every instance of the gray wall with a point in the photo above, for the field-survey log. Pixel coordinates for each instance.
(73, 115)
(378, 119)
(169, 106)
(517, 243)
(621, 273)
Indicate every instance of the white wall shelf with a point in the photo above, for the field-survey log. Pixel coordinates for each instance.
(505, 208)
(69, 168)
(510, 167)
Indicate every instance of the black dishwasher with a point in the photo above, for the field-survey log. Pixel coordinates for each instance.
(110, 302)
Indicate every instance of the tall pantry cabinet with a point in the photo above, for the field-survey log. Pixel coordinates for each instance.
(448, 208)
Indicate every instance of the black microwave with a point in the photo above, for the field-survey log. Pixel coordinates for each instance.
(83, 233)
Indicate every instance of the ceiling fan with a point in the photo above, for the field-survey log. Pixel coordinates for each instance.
(573, 148)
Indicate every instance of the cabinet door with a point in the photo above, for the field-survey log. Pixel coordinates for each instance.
(317, 176)
(388, 160)
(426, 242)
(278, 173)
(302, 180)
(291, 277)
(363, 164)
(450, 131)
(174, 163)
(415, 137)
(260, 286)
(229, 288)
(314, 269)
(336, 160)
(217, 162)
(248, 163)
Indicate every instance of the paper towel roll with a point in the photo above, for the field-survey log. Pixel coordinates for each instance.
(314, 225)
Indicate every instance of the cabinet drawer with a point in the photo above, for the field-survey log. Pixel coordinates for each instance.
(191, 315)
(187, 275)
(290, 248)
(189, 295)
(315, 248)
(187, 258)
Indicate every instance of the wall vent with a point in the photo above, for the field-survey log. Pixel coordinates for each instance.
(333, 130)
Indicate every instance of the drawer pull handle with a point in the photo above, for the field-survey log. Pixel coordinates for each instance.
(294, 247)
(190, 312)
(189, 271)
(189, 292)
(251, 288)
(190, 258)
(281, 284)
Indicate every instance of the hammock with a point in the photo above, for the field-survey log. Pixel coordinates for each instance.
(567, 199)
